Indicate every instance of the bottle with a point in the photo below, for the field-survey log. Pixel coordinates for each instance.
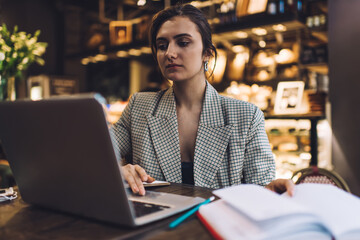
(272, 8)
(299, 5)
(291, 5)
(281, 7)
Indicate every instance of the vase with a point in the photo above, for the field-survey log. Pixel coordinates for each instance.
(7, 88)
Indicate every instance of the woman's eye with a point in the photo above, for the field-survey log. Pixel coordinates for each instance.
(183, 43)
(162, 46)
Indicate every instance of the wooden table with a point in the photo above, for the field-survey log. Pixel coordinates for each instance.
(19, 220)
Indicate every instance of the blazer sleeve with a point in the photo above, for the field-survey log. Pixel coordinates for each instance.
(121, 131)
(259, 163)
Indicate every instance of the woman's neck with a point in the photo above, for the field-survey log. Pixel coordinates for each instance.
(189, 94)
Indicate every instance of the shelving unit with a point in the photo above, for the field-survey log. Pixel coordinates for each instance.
(295, 24)
(226, 35)
(314, 119)
(292, 21)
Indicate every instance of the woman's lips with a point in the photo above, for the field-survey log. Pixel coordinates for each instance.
(173, 66)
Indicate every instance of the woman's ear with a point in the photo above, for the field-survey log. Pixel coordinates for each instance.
(207, 55)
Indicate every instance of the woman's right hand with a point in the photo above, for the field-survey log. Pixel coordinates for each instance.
(135, 176)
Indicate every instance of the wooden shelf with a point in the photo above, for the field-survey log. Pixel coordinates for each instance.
(309, 116)
(321, 35)
(294, 21)
(108, 50)
(321, 68)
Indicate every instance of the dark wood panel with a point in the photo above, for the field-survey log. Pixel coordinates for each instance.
(19, 220)
(344, 72)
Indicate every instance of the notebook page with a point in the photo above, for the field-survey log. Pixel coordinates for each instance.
(231, 224)
(339, 210)
(228, 223)
(259, 203)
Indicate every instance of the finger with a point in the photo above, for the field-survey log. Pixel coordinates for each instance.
(150, 179)
(139, 184)
(141, 172)
(290, 187)
(132, 183)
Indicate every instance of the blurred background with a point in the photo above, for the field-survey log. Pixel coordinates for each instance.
(295, 59)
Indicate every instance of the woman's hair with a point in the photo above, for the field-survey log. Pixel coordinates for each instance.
(191, 12)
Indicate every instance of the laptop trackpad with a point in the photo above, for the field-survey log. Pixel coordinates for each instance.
(150, 203)
(142, 208)
(157, 205)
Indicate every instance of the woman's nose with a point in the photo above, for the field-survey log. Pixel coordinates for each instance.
(171, 51)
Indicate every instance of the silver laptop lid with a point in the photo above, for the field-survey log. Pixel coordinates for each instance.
(48, 141)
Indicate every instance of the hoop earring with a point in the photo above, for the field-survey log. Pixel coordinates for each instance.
(206, 68)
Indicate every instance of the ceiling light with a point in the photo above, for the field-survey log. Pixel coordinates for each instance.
(241, 34)
(285, 56)
(101, 57)
(259, 31)
(135, 52)
(238, 48)
(85, 61)
(122, 54)
(141, 2)
(279, 27)
(262, 43)
(146, 50)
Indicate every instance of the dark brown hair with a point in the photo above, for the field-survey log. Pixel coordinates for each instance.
(191, 12)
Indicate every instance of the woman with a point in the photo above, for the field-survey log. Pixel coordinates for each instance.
(189, 133)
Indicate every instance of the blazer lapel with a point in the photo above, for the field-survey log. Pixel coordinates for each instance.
(165, 137)
(212, 139)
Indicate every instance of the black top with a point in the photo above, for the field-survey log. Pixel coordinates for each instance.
(187, 170)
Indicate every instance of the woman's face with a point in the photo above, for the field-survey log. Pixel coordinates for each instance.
(179, 50)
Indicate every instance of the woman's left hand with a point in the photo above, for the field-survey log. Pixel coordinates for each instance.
(281, 186)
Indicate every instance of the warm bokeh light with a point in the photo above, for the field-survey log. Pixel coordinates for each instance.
(122, 54)
(279, 27)
(262, 43)
(285, 56)
(135, 52)
(241, 34)
(219, 68)
(259, 31)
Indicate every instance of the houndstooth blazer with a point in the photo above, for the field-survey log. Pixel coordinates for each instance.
(231, 144)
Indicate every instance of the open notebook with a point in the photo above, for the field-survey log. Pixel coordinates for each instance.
(316, 211)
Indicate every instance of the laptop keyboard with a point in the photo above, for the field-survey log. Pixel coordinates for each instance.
(142, 209)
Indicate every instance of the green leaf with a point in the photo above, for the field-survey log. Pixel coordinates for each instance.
(4, 27)
(40, 61)
(37, 33)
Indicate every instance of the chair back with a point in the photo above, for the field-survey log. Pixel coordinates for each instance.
(314, 174)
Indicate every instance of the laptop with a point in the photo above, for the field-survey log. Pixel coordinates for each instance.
(62, 156)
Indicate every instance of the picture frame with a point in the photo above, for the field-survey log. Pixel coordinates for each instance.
(241, 7)
(256, 6)
(120, 32)
(63, 85)
(38, 87)
(289, 97)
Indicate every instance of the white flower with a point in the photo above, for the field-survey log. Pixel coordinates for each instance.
(17, 45)
(2, 56)
(25, 60)
(18, 50)
(40, 50)
(6, 48)
(22, 35)
(31, 42)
